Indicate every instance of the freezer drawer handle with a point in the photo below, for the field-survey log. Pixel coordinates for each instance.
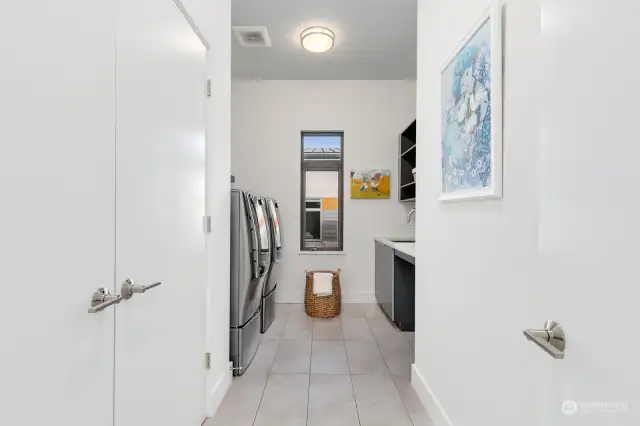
(551, 338)
(102, 299)
(129, 288)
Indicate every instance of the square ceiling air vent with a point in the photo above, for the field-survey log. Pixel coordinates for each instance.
(252, 36)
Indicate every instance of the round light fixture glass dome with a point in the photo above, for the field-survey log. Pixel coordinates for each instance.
(317, 39)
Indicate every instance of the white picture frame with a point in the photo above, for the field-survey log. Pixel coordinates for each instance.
(461, 137)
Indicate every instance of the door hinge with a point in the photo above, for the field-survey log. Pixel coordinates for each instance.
(207, 360)
(206, 224)
(209, 87)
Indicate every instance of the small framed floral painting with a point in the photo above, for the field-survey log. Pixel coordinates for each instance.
(471, 102)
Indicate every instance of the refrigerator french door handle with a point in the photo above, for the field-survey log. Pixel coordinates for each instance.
(253, 229)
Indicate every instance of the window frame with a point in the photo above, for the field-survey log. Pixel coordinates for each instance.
(313, 209)
(323, 165)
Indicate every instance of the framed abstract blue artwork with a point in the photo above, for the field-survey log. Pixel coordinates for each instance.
(471, 108)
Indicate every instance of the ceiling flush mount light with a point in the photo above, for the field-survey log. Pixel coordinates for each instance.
(317, 39)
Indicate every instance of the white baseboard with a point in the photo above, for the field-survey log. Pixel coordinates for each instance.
(219, 390)
(428, 399)
(358, 298)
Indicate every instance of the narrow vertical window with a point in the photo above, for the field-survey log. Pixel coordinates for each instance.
(321, 200)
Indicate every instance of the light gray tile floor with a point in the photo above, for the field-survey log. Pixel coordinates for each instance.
(347, 371)
(329, 357)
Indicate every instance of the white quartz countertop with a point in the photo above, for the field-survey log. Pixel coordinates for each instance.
(405, 245)
(406, 248)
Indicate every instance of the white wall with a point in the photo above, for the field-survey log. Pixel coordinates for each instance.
(476, 260)
(213, 19)
(267, 118)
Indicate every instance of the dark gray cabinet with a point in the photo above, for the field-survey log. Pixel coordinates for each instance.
(384, 260)
(404, 291)
(407, 161)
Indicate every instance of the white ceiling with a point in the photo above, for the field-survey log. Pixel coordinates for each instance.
(375, 39)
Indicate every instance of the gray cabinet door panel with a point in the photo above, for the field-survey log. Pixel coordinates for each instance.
(384, 277)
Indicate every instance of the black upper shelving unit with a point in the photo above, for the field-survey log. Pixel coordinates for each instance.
(407, 162)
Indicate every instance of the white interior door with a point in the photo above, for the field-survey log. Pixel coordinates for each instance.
(56, 211)
(589, 209)
(160, 204)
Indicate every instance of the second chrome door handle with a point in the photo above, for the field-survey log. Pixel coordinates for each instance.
(128, 288)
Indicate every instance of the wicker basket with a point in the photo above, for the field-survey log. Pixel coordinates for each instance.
(323, 306)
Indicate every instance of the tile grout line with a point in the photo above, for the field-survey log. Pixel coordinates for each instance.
(264, 388)
(284, 327)
(255, 416)
(395, 386)
(353, 389)
(375, 339)
(306, 422)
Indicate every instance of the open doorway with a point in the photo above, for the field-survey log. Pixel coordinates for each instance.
(329, 72)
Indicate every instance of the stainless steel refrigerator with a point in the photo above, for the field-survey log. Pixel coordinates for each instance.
(250, 263)
(268, 305)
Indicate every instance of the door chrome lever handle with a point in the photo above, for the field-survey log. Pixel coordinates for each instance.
(102, 299)
(551, 338)
(129, 288)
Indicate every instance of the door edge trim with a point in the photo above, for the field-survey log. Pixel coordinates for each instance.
(192, 23)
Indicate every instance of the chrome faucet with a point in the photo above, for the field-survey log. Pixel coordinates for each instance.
(410, 214)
